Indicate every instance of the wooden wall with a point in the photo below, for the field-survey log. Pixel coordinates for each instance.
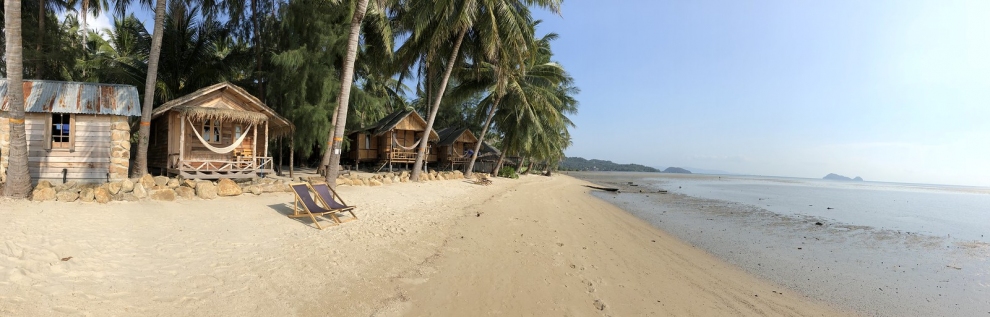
(196, 150)
(89, 162)
(360, 151)
(158, 144)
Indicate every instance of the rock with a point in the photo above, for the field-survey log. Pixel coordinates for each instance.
(102, 195)
(139, 191)
(126, 186)
(173, 183)
(162, 194)
(189, 183)
(387, 181)
(43, 184)
(67, 195)
(43, 194)
(185, 192)
(206, 190)
(227, 187)
(404, 174)
(159, 181)
(255, 189)
(87, 195)
(599, 304)
(404, 179)
(127, 197)
(147, 181)
(819, 223)
(114, 187)
(374, 182)
(65, 186)
(441, 178)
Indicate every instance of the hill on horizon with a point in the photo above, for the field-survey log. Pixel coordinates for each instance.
(582, 164)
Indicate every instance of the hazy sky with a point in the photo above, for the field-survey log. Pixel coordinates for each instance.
(888, 90)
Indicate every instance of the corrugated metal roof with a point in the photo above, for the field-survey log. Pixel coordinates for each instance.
(75, 97)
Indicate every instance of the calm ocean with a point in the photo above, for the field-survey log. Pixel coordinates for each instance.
(876, 248)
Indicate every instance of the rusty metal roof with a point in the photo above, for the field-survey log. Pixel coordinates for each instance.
(76, 97)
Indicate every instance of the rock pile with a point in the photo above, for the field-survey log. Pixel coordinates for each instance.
(158, 188)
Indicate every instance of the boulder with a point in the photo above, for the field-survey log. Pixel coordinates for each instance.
(189, 183)
(387, 180)
(139, 191)
(114, 187)
(126, 197)
(173, 183)
(255, 189)
(227, 187)
(67, 195)
(147, 181)
(374, 182)
(206, 190)
(126, 186)
(404, 179)
(185, 192)
(166, 194)
(65, 186)
(102, 195)
(87, 195)
(159, 181)
(404, 174)
(43, 184)
(43, 194)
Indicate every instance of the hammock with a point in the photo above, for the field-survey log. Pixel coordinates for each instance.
(396, 143)
(219, 150)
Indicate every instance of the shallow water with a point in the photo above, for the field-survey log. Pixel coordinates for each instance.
(883, 249)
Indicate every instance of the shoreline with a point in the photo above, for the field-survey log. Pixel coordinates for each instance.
(537, 245)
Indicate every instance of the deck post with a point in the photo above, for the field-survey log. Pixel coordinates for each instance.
(182, 140)
(292, 145)
(266, 138)
(254, 146)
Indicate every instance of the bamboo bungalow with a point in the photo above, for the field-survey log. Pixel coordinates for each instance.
(453, 146)
(218, 131)
(75, 131)
(392, 140)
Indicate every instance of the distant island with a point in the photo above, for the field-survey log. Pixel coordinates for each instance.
(837, 177)
(677, 170)
(581, 164)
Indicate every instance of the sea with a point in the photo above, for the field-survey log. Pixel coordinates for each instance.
(872, 248)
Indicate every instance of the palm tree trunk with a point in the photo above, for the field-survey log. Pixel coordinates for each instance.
(85, 11)
(498, 165)
(346, 79)
(257, 47)
(421, 152)
(481, 137)
(520, 164)
(41, 39)
(530, 168)
(322, 169)
(141, 160)
(18, 179)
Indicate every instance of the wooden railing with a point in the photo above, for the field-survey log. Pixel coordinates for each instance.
(242, 164)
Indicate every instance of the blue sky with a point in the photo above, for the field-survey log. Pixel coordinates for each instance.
(894, 91)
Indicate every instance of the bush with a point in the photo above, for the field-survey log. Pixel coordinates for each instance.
(508, 172)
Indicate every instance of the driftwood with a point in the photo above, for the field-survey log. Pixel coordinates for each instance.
(603, 188)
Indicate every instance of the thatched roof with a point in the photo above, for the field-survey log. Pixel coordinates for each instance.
(450, 135)
(488, 151)
(254, 111)
(47, 96)
(393, 119)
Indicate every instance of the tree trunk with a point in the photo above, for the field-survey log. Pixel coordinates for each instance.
(141, 160)
(346, 79)
(481, 137)
(322, 169)
(530, 167)
(18, 179)
(38, 66)
(421, 152)
(257, 47)
(498, 165)
(520, 164)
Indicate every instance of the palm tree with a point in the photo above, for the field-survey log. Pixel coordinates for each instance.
(18, 179)
(141, 160)
(497, 26)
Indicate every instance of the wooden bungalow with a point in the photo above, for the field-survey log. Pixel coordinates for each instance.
(217, 131)
(453, 146)
(75, 131)
(392, 140)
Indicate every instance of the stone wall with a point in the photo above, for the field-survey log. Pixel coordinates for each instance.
(120, 143)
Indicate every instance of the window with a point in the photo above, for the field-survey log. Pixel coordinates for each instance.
(367, 142)
(61, 131)
(211, 131)
(237, 131)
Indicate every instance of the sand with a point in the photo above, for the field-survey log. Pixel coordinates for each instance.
(534, 246)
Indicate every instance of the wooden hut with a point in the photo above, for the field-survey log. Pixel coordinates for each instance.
(217, 131)
(453, 145)
(391, 140)
(75, 131)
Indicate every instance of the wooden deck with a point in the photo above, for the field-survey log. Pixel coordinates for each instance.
(213, 169)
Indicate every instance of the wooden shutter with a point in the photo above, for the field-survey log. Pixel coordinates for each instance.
(72, 133)
(48, 132)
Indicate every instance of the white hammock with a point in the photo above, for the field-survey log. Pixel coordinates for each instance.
(396, 143)
(220, 150)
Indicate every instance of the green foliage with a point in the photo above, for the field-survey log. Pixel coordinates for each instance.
(508, 172)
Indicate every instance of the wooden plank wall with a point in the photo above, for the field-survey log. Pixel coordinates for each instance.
(196, 150)
(158, 145)
(90, 162)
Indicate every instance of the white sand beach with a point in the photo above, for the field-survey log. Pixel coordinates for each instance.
(533, 246)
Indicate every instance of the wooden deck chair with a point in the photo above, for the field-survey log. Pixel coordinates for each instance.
(305, 202)
(330, 199)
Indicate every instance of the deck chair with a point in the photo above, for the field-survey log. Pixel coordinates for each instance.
(305, 202)
(330, 199)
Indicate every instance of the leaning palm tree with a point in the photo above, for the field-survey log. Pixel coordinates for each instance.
(18, 179)
(141, 160)
(499, 27)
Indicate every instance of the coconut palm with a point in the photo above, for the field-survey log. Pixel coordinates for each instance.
(18, 179)
(498, 27)
(141, 160)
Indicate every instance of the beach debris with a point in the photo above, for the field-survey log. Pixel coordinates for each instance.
(599, 304)
(603, 188)
(66, 259)
(830, 208)
(477, 214)
(819, 223)
(560, 244)
(799, 248)
(953, 267)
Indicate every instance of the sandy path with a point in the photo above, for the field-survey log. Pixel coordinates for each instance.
(541, 246)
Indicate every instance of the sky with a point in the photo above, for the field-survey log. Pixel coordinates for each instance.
(894, 91)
